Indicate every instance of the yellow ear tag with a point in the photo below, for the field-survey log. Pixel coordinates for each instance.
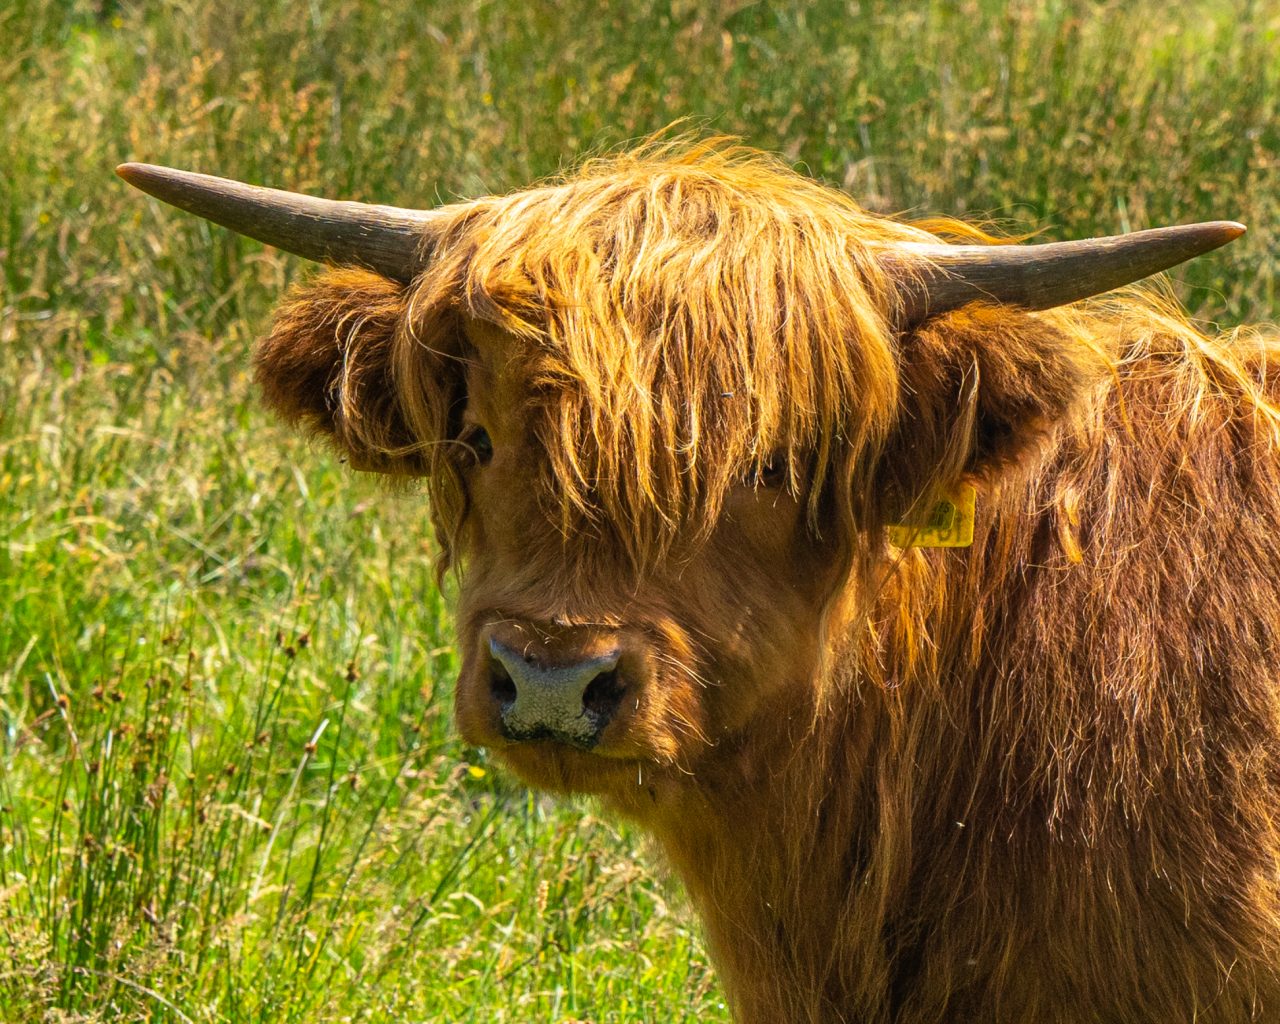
(948, 523)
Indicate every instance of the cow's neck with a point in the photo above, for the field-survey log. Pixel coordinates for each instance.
(775, 840)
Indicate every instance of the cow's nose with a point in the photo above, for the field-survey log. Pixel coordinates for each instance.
(570, 702)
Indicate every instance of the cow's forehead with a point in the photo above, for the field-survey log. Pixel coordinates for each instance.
(638, 335)
(490, 349)
(500, 365)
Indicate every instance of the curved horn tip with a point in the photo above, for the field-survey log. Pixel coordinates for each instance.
(1231, 229)
(148, 177)
(133, 173)
(1214, 234)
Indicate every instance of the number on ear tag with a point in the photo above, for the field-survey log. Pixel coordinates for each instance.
(947, 523)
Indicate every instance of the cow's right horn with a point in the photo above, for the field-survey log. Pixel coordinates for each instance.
(392, 241)
(936, 278)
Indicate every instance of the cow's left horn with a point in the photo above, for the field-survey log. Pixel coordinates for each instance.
(387, 239)
(936, 278)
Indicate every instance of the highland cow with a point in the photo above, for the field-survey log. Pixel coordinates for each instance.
(919, 601)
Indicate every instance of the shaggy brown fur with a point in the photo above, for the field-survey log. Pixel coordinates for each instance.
(1033, 780)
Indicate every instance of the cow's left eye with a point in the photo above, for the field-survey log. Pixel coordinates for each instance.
(477, 439)
(772, 472)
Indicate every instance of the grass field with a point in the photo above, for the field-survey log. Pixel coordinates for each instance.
(229, 790)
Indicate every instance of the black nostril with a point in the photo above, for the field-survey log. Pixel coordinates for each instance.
(603, 694)
(501, 684)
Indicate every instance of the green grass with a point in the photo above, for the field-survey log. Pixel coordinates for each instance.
(229, 790)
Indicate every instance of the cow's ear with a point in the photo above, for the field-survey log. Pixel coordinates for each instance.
(326, 367)
(982, 388)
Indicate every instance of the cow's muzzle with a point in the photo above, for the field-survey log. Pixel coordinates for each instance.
(569, 700)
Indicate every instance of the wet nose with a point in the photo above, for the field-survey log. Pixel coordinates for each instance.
(570, 702)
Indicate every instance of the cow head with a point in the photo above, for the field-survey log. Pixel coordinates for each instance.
(664, 410)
